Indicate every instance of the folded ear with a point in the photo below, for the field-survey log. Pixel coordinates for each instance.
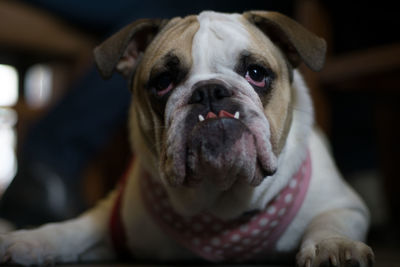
(294, 40)
(123, 50)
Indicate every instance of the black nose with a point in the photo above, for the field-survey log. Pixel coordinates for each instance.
(208, 94)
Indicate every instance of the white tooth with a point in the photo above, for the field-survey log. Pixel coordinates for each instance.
(201, 118)
(237, 114)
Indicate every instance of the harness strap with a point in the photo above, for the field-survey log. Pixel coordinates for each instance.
(117, 229)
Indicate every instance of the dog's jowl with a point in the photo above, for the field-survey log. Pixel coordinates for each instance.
(229, 166)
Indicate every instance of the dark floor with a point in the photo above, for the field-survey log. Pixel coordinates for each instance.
(385, 257)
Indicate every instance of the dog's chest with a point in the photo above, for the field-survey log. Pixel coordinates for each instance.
(213, 239)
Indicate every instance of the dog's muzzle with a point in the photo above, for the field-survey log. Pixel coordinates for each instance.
(220, 147)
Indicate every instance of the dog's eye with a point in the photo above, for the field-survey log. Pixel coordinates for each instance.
(163, 83)
(256, 75)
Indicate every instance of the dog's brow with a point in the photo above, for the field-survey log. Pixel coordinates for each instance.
(247, 57)
(170, 60)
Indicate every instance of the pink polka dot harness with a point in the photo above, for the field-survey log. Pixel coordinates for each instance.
(240, 239)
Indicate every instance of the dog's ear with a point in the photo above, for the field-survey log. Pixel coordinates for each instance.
(123, 50)
(296, 42)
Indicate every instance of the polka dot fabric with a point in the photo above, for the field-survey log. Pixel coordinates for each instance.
(241, 239)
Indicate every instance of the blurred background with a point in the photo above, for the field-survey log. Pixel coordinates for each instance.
(63, 135)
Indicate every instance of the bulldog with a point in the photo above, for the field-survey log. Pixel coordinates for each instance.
(228, 166)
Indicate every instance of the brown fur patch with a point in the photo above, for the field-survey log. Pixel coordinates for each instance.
(278, 108)
(176, 38)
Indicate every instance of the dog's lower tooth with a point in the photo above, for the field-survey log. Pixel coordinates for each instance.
(237, 114)
(201, 118)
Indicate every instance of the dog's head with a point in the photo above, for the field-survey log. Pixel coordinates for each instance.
(212, 95)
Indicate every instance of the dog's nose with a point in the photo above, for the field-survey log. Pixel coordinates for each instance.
(209, 93)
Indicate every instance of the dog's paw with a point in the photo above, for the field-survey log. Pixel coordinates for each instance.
(335, 252)
(23, 248)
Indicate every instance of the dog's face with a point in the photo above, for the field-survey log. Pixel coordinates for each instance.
(212, 96)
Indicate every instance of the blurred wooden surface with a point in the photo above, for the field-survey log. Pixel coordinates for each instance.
(359, 65)
(28, 28)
